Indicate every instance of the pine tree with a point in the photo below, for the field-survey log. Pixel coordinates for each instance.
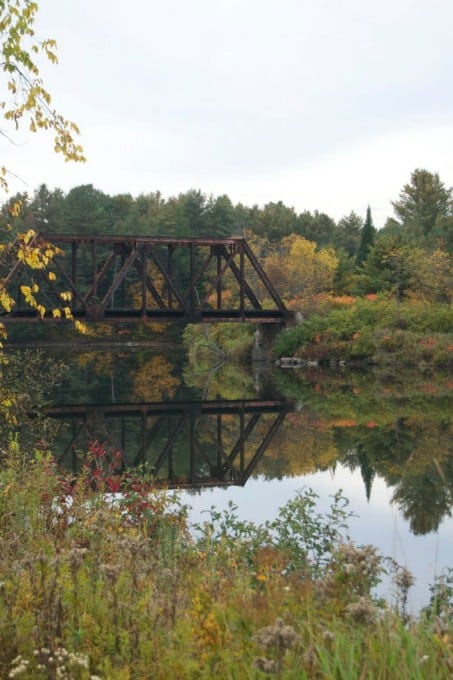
(367, 234)
(423, 202)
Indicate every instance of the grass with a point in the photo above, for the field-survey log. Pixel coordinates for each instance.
(100, 586)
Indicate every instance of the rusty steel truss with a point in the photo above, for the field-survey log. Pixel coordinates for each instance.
(126, 278)
(183, 445)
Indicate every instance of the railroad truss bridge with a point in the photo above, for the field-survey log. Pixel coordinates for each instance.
(129, 278)
(182, 444)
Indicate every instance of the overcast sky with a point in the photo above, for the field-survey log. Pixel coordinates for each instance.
(323, 104)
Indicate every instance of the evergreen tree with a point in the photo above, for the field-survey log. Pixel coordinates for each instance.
(317, 227)
(84, 211)
(422, 203)
(47, 206)
(347, 233)
(367, 235)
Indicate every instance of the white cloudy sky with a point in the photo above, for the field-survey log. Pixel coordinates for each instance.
(323, 104)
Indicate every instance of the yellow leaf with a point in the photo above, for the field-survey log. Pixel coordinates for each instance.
(6, 301)
(81, 327)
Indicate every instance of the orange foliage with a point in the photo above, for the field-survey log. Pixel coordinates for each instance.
(344, 422)
(154, 381)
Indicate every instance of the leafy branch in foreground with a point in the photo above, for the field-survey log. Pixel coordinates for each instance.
(26, 96)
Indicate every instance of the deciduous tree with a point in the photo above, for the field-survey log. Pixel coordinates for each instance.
(25, 99)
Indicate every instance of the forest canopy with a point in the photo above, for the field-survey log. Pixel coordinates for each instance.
(410, 254)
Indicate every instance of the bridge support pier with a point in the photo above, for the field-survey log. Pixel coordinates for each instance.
(263, 340)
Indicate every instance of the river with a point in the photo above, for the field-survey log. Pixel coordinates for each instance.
(255, 436)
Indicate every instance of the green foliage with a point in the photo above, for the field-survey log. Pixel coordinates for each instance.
(367, 235)
(373, 329)
(381, 422)
(26, 97)
(99, 587)
(26, 378)
(305, 536)
(347, 234)
(422, 204)
(84, 210)
(210, 343)
(441, 600)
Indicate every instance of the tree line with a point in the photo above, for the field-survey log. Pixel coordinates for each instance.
(306, 253)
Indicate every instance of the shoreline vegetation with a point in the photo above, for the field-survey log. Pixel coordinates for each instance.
(102, 577)
(372, 331)
(342, 330)
(101, 584)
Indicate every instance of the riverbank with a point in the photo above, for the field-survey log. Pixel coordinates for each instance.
(99, 588)
(372, 330)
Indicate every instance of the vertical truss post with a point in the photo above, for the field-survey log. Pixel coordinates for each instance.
(170, 274)
(74, 249)
(219, 442)
(191, 276)
(122, 288)
(219, 281)
(242, 279)
(143, 280)
(94, 270)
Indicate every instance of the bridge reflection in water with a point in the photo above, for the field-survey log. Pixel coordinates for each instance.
(183, 444)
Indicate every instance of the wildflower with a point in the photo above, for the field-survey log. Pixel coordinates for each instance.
(110, 571)
(76, 556)
(278, 635)
(404, 579)
(20, 666)
(361, 611)
(328, 636)
(310, 659)
(266, 665)
(80, 660)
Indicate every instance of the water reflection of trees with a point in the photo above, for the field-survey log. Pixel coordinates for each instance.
(399, 428)
(26, 379)
(396, 426)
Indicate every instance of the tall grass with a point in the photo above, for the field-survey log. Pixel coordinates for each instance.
(102, 585)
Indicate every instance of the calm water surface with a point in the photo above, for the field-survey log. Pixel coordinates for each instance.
(256, 437)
